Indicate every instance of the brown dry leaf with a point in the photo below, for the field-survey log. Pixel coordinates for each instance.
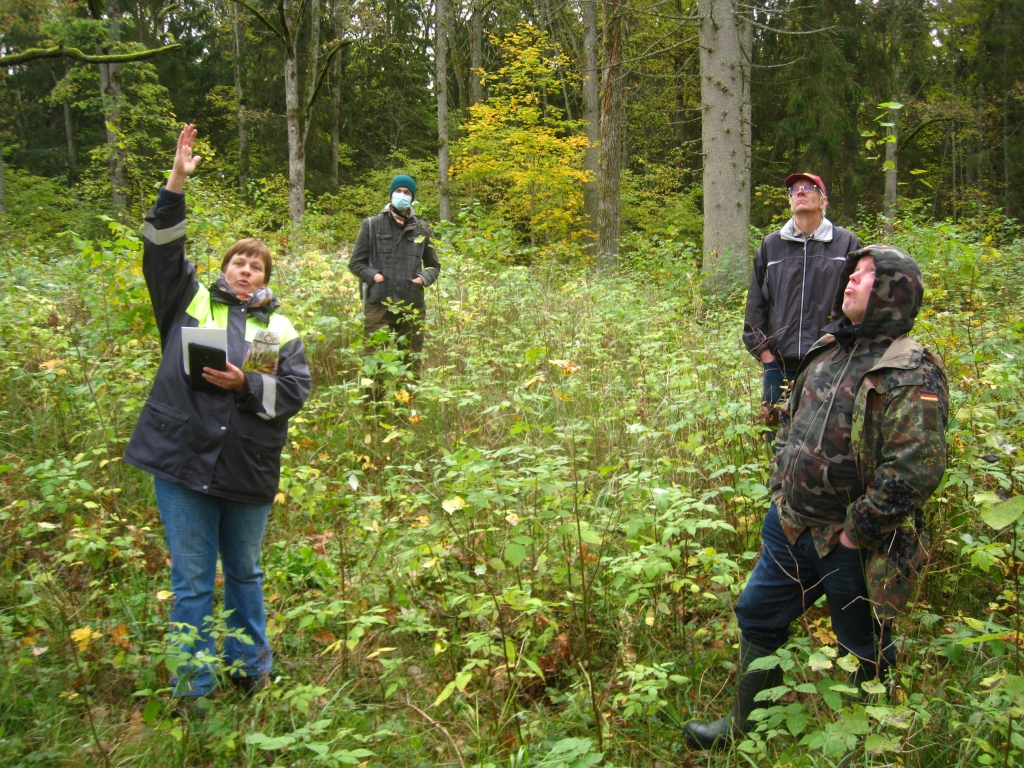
(119, 636)
(49, 364)
(568, 367)
(324, 637)
(531, 383)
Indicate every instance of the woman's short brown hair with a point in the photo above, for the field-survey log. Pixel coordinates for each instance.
(251, 247)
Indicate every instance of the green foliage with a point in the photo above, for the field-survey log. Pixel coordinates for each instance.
(520, 156)
(528, 559)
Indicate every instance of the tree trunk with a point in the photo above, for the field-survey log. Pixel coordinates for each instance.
(441, 60)
(1006, 115)
(110, 96)
(889, 201)
(3, 189)
(610, 155)
(336, 76)
(591, 111)
(314, 68)
(725, 145)
(243, 119)
(335, 120)
(296, 145)
(69, 132)
(476, 53)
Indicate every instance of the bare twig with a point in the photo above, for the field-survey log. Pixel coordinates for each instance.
(441, 728)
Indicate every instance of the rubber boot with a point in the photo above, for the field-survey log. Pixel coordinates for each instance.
(701, 734)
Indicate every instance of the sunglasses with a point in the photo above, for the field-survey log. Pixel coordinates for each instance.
(802, 188)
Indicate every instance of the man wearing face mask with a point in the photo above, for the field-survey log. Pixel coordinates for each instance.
(395, 261)
(796, 271)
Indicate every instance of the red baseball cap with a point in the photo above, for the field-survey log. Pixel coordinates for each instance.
(811, 177)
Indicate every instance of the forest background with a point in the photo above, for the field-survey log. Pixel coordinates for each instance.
(530, 562)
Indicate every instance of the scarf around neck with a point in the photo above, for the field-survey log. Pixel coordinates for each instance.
(401, 219)
(252, 300)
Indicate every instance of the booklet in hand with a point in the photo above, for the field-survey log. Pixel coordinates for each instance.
(200, 356)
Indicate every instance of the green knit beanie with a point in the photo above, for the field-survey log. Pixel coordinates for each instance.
(403, 181)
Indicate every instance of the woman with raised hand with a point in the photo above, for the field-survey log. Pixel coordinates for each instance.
(213, 440)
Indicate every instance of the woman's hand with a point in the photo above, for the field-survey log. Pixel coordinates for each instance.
(184, 162)
(232, 378)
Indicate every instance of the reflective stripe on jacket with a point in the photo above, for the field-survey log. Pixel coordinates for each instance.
(227, 445)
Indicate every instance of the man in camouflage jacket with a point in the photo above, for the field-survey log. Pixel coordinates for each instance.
(861, 447)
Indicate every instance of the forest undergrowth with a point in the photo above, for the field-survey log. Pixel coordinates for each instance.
(529, 559)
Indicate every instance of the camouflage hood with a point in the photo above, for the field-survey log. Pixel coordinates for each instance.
(895, 298)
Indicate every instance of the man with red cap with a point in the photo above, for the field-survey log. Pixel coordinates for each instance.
(796, 272)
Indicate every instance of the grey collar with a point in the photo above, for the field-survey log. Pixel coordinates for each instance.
(822, 233)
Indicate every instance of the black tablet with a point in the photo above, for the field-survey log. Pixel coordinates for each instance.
(200, 356)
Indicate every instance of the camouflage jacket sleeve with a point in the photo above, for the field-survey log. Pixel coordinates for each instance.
(898, 438)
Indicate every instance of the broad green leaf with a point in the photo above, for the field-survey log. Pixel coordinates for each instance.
(150, 712)
(819, 661)
(878, 742)
(873, 687)
(849, 662)
(515, 553)
(764, 662)
(1005, 513)
(269, 742)
(796, 723)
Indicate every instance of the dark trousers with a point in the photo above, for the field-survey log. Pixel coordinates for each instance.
(789, 578)
(408, 328)
(775, 376)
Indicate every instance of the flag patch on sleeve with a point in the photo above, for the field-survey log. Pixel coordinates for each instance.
(930, 411)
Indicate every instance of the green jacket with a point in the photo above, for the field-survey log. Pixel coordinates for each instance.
(894, 431)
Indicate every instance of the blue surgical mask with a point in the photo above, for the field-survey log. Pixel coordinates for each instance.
(400, 201)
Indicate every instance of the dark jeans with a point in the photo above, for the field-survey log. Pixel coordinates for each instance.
(788, 579)
(774, 377)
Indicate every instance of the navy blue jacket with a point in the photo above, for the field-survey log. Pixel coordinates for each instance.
(227, 445)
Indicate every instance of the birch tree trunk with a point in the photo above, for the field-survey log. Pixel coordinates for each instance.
(591, 112)
(610, 155)
(476, 53)
(725, 143)
(296, 146)
(110, 96)
(441, 60)
(243, 120)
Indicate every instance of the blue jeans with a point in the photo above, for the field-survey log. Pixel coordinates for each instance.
(789, 578)
(774, 377)
(197, 526)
